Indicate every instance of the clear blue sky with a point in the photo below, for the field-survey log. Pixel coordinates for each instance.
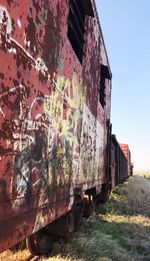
(126, 31)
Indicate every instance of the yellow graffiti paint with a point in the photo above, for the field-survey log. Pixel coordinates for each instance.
(70, 93)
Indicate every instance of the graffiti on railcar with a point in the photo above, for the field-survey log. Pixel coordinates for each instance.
(53, 136)
(44, 135)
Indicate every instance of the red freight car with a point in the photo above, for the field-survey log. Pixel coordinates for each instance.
(126, 151)
(55, 88)
(120, 161)
(55, 93)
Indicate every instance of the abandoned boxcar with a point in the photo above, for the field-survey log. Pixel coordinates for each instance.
(120, 162)
(55, 98)
(127, 153)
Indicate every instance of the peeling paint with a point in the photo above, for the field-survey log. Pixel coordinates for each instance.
(5, 21)
(53, 135)
(19, 23)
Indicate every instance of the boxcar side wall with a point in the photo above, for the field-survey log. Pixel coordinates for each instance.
(119, 163)
(53, 135)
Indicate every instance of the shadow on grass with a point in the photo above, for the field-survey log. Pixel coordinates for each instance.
(123, 232)
(112, 234)
(101, 239)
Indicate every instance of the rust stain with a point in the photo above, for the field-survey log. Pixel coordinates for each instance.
(53, 134)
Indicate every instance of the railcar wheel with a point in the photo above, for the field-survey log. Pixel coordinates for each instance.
(40, 243)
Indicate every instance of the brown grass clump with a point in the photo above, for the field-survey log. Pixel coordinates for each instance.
(25, 256)
(138, 195)
(18, 256)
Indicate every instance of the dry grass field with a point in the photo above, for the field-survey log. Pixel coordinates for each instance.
(118, 231)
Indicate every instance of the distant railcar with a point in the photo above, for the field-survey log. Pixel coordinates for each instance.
(119, 162)
(55, 132)
(127, 153)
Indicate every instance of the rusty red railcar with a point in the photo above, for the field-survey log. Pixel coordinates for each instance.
(127, 153)
(55, 91)
(55, 98)
(120, 162)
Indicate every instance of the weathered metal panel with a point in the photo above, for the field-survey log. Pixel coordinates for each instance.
(52, 127)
